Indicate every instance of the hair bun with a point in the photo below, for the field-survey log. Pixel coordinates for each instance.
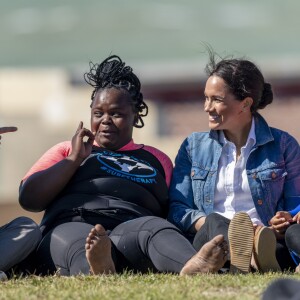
(266, 97)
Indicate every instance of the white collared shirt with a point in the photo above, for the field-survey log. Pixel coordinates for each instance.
(232, 192)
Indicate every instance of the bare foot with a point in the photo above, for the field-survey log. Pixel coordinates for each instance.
(297, 270)
(209, 259)
(98, 251)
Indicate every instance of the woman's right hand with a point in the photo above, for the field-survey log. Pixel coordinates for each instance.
(42, 187)
(81, 149)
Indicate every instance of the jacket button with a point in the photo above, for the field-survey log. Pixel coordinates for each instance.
(273, 175)
(193, 173)
(259, 202)
(254, 176)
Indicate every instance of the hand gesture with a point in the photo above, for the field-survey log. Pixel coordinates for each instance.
(81, 149)
(7, 129)
(280, 222)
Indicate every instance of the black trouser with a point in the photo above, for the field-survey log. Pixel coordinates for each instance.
(217, 224)
(292, 239)
(142, 244)
(214, 224)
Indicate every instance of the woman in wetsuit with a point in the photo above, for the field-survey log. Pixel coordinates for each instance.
(105, 197)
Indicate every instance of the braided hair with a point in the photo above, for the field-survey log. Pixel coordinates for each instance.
(113, 72)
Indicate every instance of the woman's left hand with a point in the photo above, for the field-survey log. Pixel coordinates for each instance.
(280, 222)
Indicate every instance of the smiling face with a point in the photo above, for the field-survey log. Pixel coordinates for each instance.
(224, 110)
(112, 118)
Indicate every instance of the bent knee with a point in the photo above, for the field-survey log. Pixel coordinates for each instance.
(156, 224)
(292, 236)
(25, 221)
(30, 229)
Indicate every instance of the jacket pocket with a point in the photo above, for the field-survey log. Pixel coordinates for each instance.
(272, 183)
(272, 175)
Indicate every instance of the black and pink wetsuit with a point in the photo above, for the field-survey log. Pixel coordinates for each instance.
(126, 191)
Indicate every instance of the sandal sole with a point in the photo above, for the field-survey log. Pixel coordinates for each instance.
(241, 237)
(264, 251)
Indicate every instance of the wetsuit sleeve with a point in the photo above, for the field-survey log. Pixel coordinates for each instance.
(164, 160)
(50, 158)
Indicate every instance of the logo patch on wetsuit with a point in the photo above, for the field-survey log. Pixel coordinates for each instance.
(130, 167)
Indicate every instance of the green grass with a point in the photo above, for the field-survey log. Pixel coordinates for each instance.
(150, 286)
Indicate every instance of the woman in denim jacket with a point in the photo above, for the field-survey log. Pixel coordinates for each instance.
(233, 179)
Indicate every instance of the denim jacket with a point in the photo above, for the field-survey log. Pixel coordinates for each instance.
(273, 171)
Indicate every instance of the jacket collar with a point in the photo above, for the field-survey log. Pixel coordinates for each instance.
(262, 131)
